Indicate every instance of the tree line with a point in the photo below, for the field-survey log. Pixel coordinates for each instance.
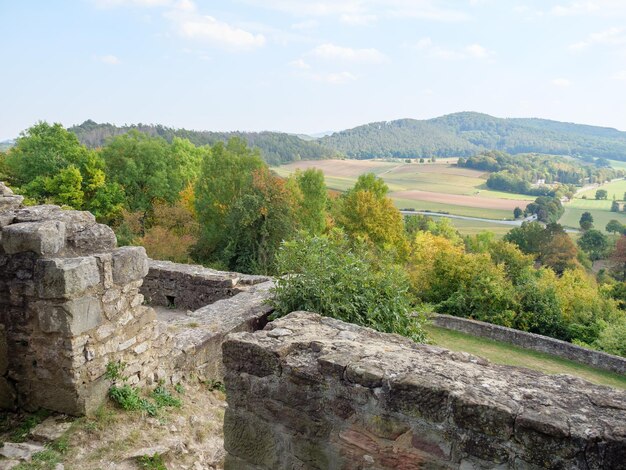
(539, 175)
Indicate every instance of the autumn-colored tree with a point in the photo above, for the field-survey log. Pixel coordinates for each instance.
(559, 253)
(366, 212)
(173, 231)
(424, 247)
(260, 219)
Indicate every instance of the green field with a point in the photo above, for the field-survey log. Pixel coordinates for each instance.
(600, 210)
(507, 354)
(451, 209)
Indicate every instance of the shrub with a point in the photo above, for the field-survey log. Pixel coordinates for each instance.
(336, 278)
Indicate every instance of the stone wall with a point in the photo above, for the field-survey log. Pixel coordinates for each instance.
(188, 286)
(533, 341)
(70, 304)
(315, 393)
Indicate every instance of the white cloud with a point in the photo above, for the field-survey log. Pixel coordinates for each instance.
(333, 52)
(471, 51)
(477, 51)
(109, 59)
(621, 75)
(190, 24)
(609, 37)
(300, 64)
(365, 9)
(561, 82)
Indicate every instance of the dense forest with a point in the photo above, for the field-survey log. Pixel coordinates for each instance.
(355, 256)
(465, 134)
(275, 147)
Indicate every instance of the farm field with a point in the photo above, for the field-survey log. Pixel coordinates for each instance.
(600, 210)
(436, 187)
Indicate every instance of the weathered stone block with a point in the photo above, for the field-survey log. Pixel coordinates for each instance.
(66, 277)
(70, 318)
(130, 263)
(43, 238)
(409, 406)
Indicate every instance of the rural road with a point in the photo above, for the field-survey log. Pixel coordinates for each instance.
(515, 223)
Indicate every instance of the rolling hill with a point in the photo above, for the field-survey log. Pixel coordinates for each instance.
(465, 134)
(453, 135)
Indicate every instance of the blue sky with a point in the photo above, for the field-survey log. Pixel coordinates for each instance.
(309, 66)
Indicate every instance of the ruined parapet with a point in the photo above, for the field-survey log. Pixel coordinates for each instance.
(317, 393)
(189, 287)
(70, 303)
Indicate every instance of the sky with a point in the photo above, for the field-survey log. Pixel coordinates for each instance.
(308, 66)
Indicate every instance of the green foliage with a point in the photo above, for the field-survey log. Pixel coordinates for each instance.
(595, 243)
(114, 371)
(470, 285)
(612, 338)
(586, 221)
(129, 398)
(163, 398)
(547, 209)
(334, 277)
(615, 206)
(517, 212)
(154, 462)
(146, 168)
(50, 165)
(312, 207)
(259, 220)
(601, 194)
(615, 226)
(225, 173)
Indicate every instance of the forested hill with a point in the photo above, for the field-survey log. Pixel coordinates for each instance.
(465, 134)
(276, 147)
(453, 135)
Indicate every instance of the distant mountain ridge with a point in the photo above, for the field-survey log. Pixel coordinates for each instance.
(466, 133)
(453, 135)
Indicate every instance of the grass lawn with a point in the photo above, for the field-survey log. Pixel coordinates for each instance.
(452, 209)
(472, 227)
(508, 354)
(614, 188)
(600, 210)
